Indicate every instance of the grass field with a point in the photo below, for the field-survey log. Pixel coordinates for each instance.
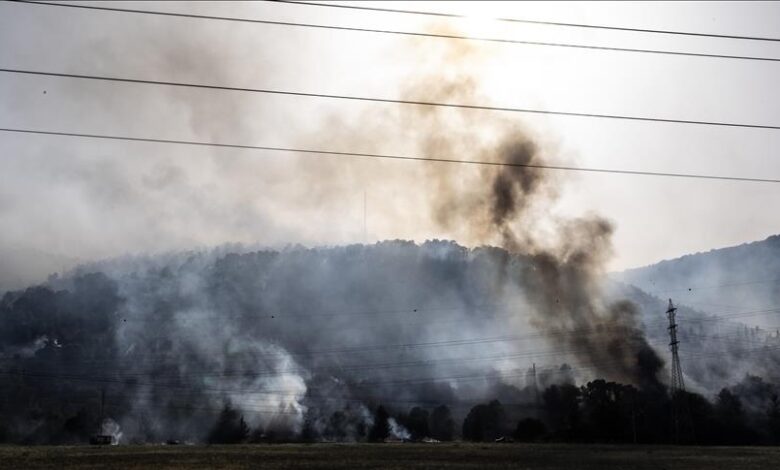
(392, 456)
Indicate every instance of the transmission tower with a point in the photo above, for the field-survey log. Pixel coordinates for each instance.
(677, 383)
(682, 424)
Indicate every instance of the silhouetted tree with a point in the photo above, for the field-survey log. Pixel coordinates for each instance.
(773, 417)
(731, 418)
(485, 422)
(230, 428)
(381, 428)
(700, 413)
(308, 432)
(442, 426)
(608, 409)
(561, 405)
(417, 423)
(336, 429)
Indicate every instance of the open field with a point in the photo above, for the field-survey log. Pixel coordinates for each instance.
(392, 456)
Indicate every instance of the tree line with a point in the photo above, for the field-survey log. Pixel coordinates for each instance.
(597, 412)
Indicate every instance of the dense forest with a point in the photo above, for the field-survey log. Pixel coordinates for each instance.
(442, 343)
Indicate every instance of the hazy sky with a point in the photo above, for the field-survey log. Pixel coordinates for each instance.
(66, 200)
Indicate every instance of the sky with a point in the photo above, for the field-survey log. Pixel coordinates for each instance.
(65, 201)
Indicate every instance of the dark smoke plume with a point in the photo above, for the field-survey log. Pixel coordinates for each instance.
(510, 206)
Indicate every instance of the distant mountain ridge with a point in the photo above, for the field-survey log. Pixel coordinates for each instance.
(733, 279)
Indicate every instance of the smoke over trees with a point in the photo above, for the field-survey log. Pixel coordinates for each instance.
(338, 343)
(173, 341)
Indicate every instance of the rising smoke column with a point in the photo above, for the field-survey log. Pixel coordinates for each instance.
(509, 206)
(563, 282)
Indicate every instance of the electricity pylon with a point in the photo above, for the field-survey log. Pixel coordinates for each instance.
(677, 382)
(682, 424)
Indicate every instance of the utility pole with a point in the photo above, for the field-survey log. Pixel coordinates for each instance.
(102, 410)
(365, 224)
(536, 386)
(100, 438)
(633, 417)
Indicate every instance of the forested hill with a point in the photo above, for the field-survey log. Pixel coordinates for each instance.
(744, 278)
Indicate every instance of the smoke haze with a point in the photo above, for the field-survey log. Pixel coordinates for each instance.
(292, 335)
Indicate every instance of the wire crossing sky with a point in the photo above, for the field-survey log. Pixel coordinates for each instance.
(203, 75)
(394, 101)
(418, 34)
(389, 157)
(518, 20)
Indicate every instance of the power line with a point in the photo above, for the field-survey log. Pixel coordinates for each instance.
(132, 371)
(191, 391)
(465, 402)
(730, 340)
(404, 346)
(458, 341)
(497, 375)
(507, 311)
(252, 390)
(385, 156)
(167, 377)
(730, 346)
(405, 33)
(526, 21)
(450, 343)
(557, 333)
(718, 317)
(501, 374)
(194, 389)
(124, 374)
(528, 353)
(387, 100)
(423, 362)
(734, 284)
(122, 405)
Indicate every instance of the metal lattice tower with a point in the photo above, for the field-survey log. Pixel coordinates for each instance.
(677, 383)
(682, 424)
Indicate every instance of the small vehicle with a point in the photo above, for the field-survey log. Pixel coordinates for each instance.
(102, 440)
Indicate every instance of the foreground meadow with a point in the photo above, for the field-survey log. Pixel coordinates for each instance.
(391, 456)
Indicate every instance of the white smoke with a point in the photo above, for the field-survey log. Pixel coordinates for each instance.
(109, 427)
(397, 430)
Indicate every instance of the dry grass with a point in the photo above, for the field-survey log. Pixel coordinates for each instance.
(391, 456)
